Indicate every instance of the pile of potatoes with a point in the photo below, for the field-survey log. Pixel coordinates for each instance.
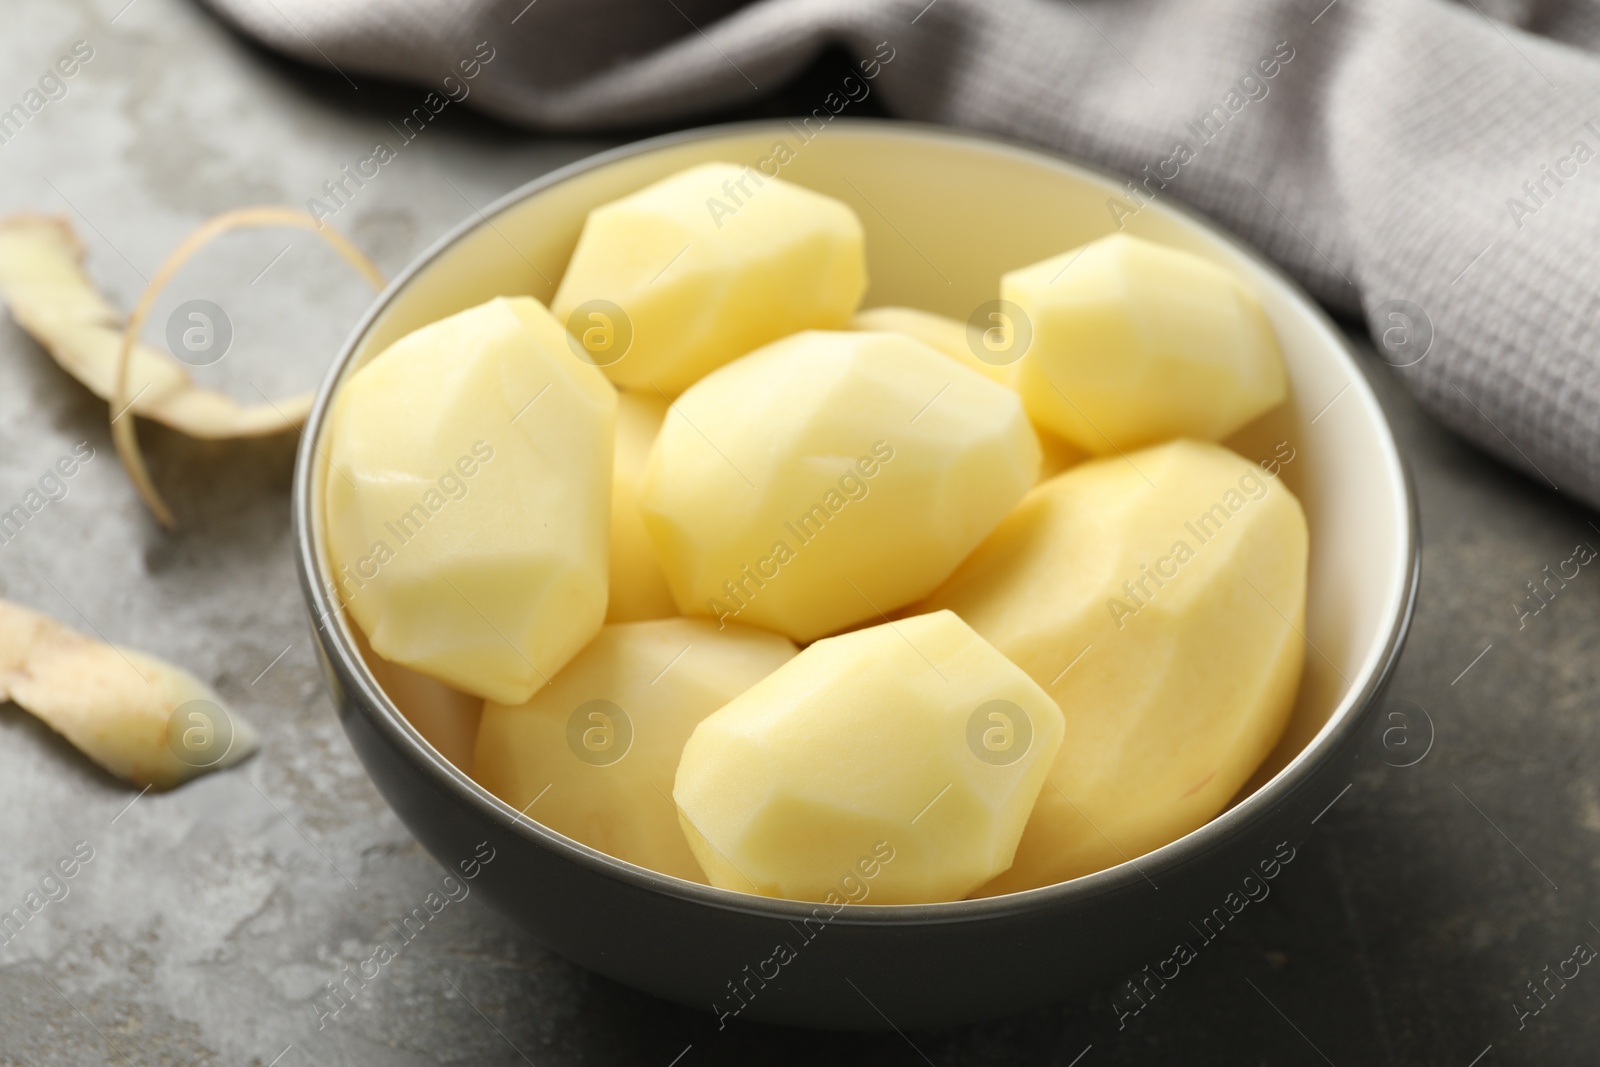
(754, 587)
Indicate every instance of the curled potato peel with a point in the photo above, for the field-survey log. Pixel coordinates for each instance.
(43, 282)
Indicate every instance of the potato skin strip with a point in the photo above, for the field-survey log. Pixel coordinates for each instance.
(209, 413)
(142, 719)
(43, 282)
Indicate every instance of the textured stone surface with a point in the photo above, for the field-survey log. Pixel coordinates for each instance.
(210, 917)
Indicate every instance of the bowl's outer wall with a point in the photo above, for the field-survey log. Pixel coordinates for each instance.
(915, 974)
(930, 965)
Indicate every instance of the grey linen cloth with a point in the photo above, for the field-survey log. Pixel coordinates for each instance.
(1430, 164)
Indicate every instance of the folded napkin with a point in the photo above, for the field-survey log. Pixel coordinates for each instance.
(1433, 165)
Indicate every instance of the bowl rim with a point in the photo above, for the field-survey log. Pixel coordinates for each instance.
(389, 723)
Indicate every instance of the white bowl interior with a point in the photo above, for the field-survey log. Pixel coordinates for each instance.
(946, 214)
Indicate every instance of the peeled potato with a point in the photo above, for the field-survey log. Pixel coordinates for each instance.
(446, 718)
(593, 754)
(706, 265)
(830, 478)
(1136, 343)
(1164, 617)
(937, 332)
(914, 739)
(954, 340)
(1056, 456)
(638, 588)
(468, 499)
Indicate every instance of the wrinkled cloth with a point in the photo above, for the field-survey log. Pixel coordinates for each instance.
(1429, 164)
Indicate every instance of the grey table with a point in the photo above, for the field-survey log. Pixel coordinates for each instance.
(209, 918)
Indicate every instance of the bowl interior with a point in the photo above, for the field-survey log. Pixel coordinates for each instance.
(946, 214)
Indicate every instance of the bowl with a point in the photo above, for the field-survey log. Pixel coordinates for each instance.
(946, 213)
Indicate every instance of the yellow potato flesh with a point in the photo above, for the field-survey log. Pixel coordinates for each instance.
(1057, 455)
(709, 264)
(953, 339)
(1136, 343)
(937, 332)
(468, 499)
(446, 718)
(593, 754)
(863, 746)
(1164, 616)
(638, 588)
(830, 478)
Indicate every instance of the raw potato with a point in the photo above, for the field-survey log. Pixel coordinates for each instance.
(603, 776)
(913, 739)
(1164, 617)
(1056, 456)
(1135, 343)
(937, 332)
(42, 279)
(115, 705)
(446, 718)
(951, 337)
(638, 588)
(709, 264)
(830, 478)
(468, 497)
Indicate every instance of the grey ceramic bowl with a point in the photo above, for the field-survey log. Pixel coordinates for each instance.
(946, 213)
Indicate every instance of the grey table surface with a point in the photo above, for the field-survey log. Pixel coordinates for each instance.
(210, 917)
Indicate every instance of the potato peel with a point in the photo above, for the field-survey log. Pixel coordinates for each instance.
(143, 720)
(43, 282)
